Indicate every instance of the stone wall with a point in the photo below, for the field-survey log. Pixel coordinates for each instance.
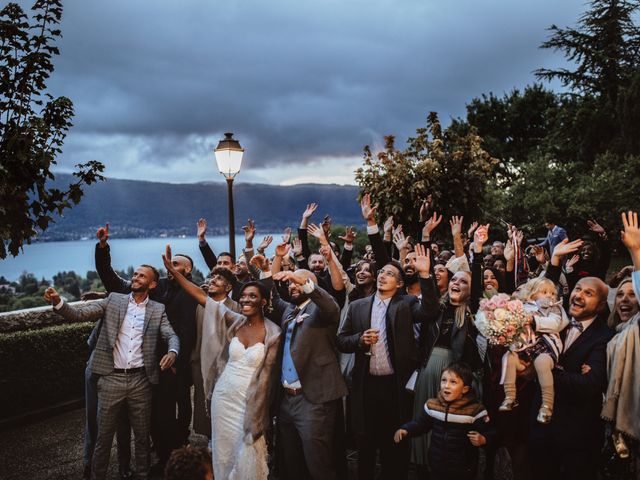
(32, 319)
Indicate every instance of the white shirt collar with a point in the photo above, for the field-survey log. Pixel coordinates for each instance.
(141, 304)
(380, 301)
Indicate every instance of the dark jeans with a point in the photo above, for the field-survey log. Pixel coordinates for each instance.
(306, 446)
(381, 407)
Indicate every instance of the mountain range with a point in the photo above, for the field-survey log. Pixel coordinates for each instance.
(140, 209)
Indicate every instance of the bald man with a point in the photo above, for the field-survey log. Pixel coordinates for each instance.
(310, 377)
(568, 447)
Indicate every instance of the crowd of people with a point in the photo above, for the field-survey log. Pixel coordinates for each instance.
(286, 363)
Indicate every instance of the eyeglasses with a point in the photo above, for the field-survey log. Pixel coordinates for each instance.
(387, 273)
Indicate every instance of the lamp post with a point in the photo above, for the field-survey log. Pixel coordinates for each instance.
(229, 159)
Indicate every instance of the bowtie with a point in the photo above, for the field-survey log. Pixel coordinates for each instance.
(576, 324)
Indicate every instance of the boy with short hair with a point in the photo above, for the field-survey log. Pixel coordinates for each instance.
(459, 424)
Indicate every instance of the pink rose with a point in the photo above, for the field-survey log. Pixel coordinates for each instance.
(514, 306)
(483, 303)
(501, 340)
(491, 304)
(501, 300)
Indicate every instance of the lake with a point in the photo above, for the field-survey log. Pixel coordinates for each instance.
(48, 258)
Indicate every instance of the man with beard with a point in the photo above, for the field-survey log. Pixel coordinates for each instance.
(125, 360)
(311, 380)
(379, 330)
(569, 446)
(167, 430)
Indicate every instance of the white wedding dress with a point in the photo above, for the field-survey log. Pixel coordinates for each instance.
(232, 458)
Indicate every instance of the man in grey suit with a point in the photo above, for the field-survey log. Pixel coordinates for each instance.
(311, 379)
(125, 359)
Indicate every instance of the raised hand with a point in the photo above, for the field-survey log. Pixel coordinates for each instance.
(456, 225)
(431, 225)
(249, 231)
(202, 229)
(260, 262)
(401, 242)
(297, 247)
(631, 236)
(325, 250)
(368, 211)
(103, 235)
(472, 229)
(286, 237)
(519, 236)
(566, 247)
(311, 207)
(266, 241)
(166, 259)
(288, 276)
(423, 262)
(538, 252)
(388, 225)
(480, 237)
(596, 227)
(349, 235)
(509, 252)
(51, 296)
(631, 233)
(425, 207)
(317, 232)
(326, 226)
(282, 250)
(572, 261)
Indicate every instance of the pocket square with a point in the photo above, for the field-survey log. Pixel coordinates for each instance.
(301, 317)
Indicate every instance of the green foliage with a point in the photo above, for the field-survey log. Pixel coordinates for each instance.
(42, 367)
(452, 166)
(33, 126)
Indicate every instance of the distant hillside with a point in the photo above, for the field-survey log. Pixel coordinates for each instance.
(138, 209)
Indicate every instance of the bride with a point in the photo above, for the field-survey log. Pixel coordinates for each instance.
(238, 354)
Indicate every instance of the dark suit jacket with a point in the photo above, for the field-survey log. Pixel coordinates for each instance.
(313, 343)
(578, 398)
(402, 313)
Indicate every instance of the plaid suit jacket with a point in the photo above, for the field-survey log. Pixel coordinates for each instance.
(112, 310)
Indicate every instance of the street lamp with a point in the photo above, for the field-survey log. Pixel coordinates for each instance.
(229, 159)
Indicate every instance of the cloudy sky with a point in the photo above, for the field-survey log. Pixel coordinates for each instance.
(303, 84)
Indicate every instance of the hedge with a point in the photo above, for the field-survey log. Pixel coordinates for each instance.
(39, 368)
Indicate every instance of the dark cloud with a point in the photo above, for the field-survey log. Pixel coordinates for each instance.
(156, 83)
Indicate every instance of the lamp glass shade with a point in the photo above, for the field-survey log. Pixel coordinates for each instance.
(229, 155)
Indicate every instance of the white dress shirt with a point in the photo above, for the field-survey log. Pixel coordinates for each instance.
(127, 352)
(574, 333)
(380, 361)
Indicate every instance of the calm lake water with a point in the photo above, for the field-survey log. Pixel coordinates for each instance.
(48, 258)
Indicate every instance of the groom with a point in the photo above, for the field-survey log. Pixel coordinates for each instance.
(312, 384)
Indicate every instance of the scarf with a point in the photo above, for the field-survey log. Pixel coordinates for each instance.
(464, 410)
(622, 401)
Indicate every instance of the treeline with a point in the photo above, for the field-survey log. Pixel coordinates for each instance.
(534, 153)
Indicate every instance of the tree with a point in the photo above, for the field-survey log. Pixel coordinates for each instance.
(604, 49)
(33, 126)
(451, 167)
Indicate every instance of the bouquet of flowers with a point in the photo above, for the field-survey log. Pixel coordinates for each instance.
(502, 321)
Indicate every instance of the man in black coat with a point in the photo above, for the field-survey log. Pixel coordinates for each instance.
(379, 329)
(568, 447)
